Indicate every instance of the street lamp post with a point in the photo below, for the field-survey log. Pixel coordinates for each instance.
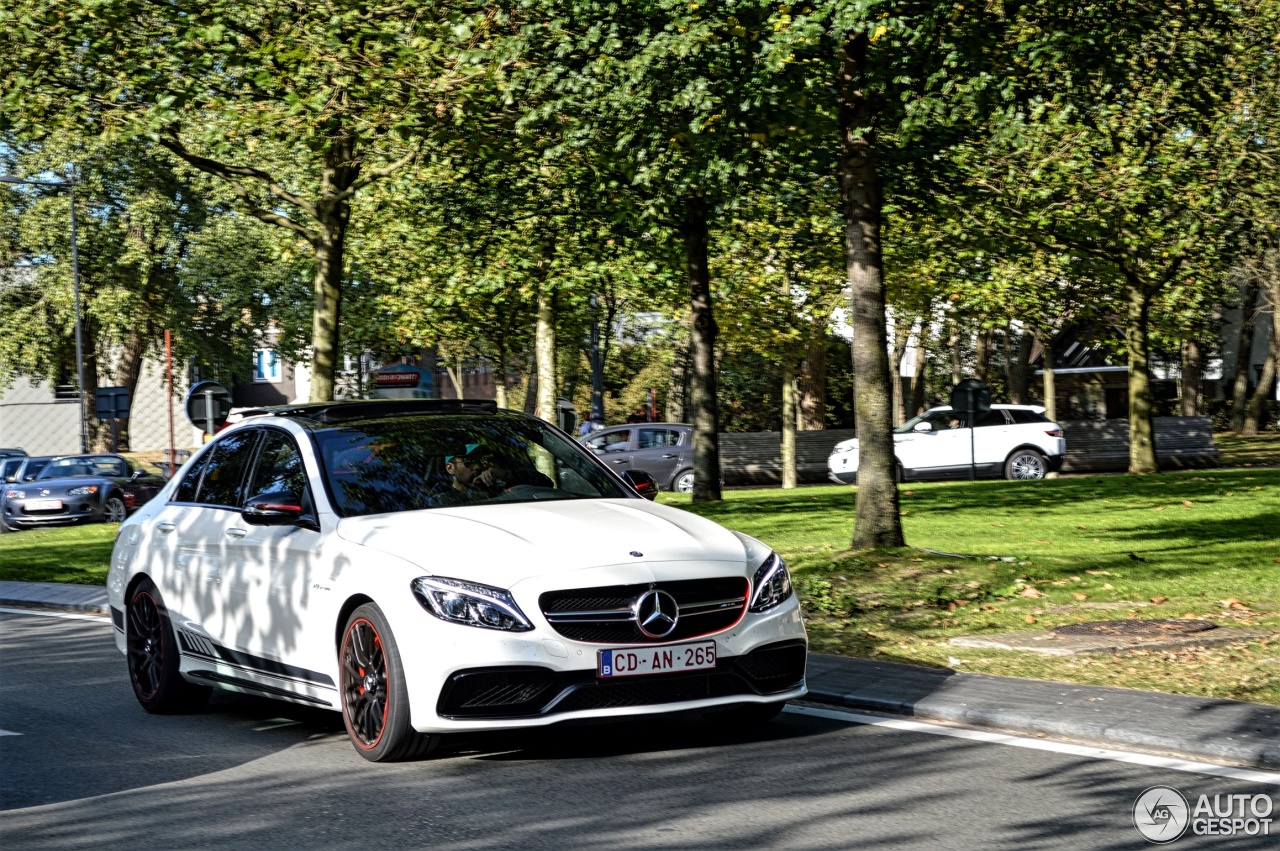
(69, 184)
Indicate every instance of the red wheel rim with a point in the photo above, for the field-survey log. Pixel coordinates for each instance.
(364, 684)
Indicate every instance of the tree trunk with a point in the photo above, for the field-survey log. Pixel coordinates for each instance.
(545, 347)
(702, 348)
(982, 355)
(128, 370)
(501, 386)
(1257, 414)
(918, 374)
(329, 246)
(957, 359)
(678, 382)
(898, 350)
(1142, 448)
(1018, 372)
(812, 413)
(1244, 354)
(877, 522)
(1190, 378)
(788, 422)
(531, 383)
(1050, 391)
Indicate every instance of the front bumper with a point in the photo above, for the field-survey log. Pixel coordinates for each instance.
(843, 478)
(493, 681)
(529, 692)
(16, 514)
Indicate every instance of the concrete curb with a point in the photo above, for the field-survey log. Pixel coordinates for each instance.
(1229, 731)
(54, 596)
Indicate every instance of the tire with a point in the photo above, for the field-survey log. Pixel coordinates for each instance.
(114, 510)
(152, 655)
(1025, 464)
(375, 702)
(683, 482)
(745, 716)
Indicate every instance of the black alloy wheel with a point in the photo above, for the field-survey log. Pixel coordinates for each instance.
(152, 655)
(375, 702)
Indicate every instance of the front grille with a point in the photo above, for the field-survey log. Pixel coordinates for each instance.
(526, 692)
(604, 615)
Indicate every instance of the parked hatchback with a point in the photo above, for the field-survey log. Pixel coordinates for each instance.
(427, 567)
(663, 450)
(1013, 441)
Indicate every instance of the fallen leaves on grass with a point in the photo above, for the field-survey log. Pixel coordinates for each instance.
(1031, 592)
(1079, 596)
(1233, 603)
(1158, 600)
(1030, 619)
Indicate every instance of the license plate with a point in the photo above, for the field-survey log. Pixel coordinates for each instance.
(635, 661)
(43, 504)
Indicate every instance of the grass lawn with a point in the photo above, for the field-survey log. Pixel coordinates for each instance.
(75, 554)
(1197, 544)
(1261, 450)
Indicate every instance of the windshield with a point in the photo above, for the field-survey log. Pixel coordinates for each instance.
(84, 465)
(450, 460)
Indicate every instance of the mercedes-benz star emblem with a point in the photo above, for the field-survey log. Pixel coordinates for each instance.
(656, 613)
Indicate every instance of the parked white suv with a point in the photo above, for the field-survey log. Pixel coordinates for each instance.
(1013, 441)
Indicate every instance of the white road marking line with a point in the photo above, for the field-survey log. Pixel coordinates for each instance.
(64, 615)
(8, 733)
(1087, 751)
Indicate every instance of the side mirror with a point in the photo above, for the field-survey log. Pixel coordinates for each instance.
(272, 509)
(641, 482)
(923, 427)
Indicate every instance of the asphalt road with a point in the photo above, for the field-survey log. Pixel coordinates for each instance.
(89, 769)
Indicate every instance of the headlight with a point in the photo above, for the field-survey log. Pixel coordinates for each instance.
(16, 494)
(84, 490)
(772, 584)
(469, 603)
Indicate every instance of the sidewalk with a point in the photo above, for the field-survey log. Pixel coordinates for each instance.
(1246, 734)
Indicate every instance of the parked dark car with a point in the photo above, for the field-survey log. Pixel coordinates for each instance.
(663, 450)
(78, 489)
(13, 453)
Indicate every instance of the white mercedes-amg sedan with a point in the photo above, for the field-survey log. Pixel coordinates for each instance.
(428, 567)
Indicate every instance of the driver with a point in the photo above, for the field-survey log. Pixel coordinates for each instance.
(477, 476)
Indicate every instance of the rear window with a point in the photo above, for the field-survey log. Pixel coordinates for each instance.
(1023, 417)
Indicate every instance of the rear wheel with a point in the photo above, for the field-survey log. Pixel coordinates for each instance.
(683, 482)
(114, 511)
(152, 654)
(1025, 464)
(375, 702)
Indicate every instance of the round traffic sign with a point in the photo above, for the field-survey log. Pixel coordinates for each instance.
(207, 405)
(971, 396)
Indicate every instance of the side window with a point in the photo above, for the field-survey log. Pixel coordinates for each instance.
(658, 438)
(613, 441)
(992, 418)
(944, 420)
(186, 490)
(225, 469)
(279, 468)
(1023, 417)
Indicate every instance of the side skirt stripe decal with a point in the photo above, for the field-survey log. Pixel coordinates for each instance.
(198, 645)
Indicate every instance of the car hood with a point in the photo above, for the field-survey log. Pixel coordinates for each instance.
(503, 544)
(57, 486)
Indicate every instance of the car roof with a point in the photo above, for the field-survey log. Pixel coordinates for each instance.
(1039, 409)
(315, 414)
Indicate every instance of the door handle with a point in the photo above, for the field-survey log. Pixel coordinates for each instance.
(670, 455)
(236, 533)
(165, 528)
(620, 460)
